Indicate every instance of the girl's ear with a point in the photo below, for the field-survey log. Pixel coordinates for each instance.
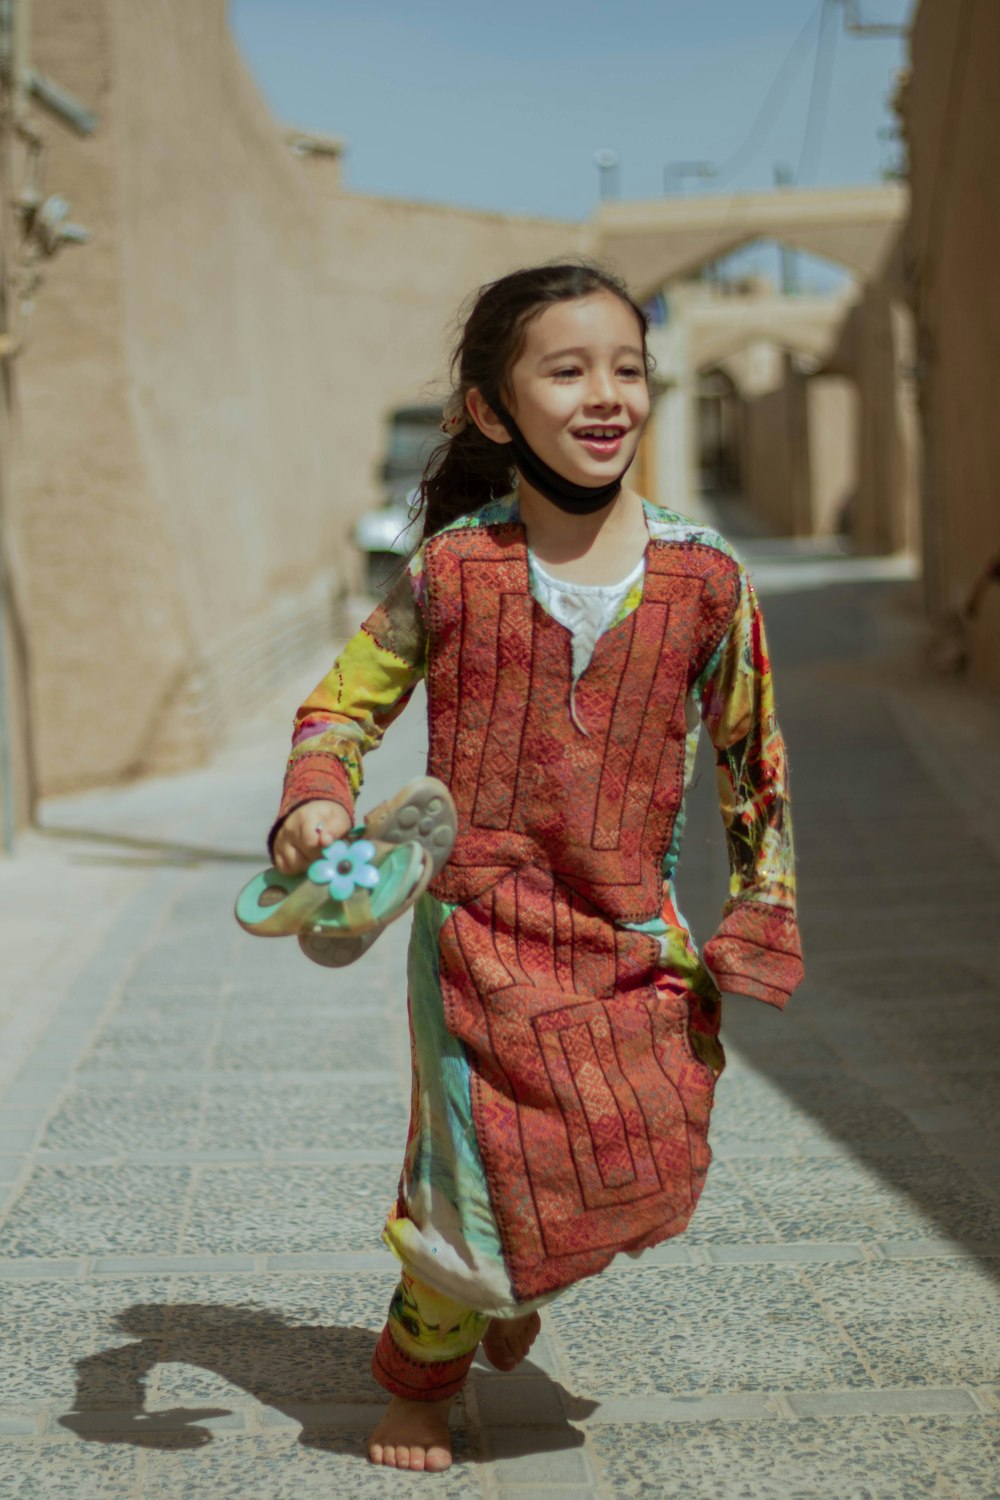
(485, 418)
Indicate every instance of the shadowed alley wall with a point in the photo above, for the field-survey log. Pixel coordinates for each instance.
(952, 116)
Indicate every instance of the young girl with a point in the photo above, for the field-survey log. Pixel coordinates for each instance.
(564, 1027)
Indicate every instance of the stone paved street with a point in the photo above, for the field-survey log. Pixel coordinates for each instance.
(201, 1132)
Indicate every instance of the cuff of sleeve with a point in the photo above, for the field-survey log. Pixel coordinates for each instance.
(313, 778)
(757, 952)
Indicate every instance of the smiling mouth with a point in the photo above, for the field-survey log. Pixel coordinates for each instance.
(599, 434)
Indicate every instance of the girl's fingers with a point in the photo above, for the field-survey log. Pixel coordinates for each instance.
(304, 834)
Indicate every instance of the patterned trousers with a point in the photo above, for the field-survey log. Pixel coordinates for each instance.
(428, 1343)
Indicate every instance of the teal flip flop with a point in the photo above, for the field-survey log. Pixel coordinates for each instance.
(421, 812)
(355, 887)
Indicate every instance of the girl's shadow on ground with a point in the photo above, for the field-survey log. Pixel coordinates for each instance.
(320, 1377)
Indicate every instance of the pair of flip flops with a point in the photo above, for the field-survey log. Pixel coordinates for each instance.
(358, 884)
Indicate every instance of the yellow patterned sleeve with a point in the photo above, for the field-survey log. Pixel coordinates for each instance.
(367, 687)
(757, 949)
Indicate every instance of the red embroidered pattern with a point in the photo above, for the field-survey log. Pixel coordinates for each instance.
(310, 778)
(591, 1111)
(530, 788)
(757, 951)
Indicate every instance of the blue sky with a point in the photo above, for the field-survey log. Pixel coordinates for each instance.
(502, 105)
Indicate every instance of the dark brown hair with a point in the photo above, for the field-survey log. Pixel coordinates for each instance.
(469, 469)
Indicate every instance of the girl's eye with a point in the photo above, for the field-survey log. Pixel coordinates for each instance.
(566, 374)
(630, 372)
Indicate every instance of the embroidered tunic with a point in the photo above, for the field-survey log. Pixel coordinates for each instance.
(564, 1026)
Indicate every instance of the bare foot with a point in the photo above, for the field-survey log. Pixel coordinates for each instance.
(507, 1340)
(412, 1435)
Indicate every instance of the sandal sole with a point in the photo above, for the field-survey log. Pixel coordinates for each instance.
(421, 812)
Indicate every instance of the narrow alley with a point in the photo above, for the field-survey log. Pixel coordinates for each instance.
(204, 1133)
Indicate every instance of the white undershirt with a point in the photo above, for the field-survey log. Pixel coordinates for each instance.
(586, 610)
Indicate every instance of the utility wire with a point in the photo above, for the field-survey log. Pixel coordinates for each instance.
(786, 75)
(819, 93)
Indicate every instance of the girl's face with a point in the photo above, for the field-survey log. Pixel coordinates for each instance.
(578, 389)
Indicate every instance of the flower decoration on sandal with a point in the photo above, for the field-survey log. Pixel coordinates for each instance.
(343, 867)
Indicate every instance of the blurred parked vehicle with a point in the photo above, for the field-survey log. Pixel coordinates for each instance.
(389, 532)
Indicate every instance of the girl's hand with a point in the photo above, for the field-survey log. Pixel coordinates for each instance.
(305, 832)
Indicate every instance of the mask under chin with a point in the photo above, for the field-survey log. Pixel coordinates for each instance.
(575, 499)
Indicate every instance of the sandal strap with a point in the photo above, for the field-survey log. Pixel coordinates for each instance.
(290, 914)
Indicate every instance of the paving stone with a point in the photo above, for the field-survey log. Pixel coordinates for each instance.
(935, 1249)
(727, 1211)
(849, 1459)
(286, 1209)
(66, 1471)
(39, 1268)
(669, 1409)
(96, 1211)
(572, 1490)
(67, 1339)
(304, 1043)
(277, 1466)
(348, 1114)
(801, 1253)
(126, 1265)
(701, 1331)
(538, 1455)
(889, 1197)
(964, 1451)
(936, 1319)
(127, 1045)
(140, 998)
(932, 1401)
(14, 1427)
(127, 1115)
(978, 1093)
(528, 1401)
(20, 1128)
(758, 1109)
(182, 964)
(278, 1340)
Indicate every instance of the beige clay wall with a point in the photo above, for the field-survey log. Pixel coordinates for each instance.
(398, 274)
(885, 512)
(952, 115)
(799, 449)
(832, 414)
(205, 388)
(775, 451)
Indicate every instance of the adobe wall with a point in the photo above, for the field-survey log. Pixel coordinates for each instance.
(832, 416)
(884, 517)
(799, 450)
(206, 385)
(776, 454)
(952, 120)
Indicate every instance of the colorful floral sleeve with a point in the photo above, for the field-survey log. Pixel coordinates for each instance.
(368, 685)
(756, 950)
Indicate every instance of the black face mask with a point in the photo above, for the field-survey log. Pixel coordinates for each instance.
(575, 499)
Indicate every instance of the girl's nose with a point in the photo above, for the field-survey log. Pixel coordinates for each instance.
(601, 389)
